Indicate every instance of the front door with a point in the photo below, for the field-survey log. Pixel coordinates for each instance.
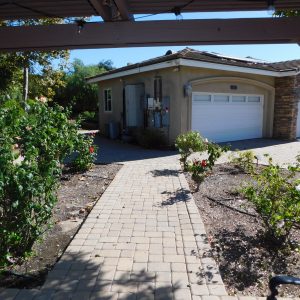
(134, 105)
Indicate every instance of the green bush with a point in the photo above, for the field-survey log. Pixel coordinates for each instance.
(275, 194)
(85, 152)
(187, 143)
(91, 116)
(214, 152)
(199, 168)
(244, 161)
(33, 146)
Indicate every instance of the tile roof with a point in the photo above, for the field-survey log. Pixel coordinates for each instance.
(191, 54)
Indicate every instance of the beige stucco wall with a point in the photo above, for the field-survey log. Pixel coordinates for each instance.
(173, 81)
(170, 83)
(117, 103)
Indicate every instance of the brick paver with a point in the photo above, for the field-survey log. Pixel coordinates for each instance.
(144, 239)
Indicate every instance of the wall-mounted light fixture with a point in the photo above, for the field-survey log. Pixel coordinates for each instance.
(187, 90)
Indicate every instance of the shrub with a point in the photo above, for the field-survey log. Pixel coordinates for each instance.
(188, 143)
(214, 152)
(244, 161)
(275, 194)
(90, 116)
(85, 152)
(199, 168)
(33, 146)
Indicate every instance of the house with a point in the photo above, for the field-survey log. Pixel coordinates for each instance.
(224, 98)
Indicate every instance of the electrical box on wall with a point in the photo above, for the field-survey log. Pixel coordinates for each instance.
(157, 112)
(150, 103)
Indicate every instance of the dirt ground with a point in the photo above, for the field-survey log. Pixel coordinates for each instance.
(76, 197)
(245, 259)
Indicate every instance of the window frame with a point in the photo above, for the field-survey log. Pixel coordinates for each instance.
(106, 100)
(212, 97)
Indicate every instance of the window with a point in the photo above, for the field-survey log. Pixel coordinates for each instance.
(221, 98)
(107, 100)
(226, 99)
(238, 98)
(254, 99)
(202, 98)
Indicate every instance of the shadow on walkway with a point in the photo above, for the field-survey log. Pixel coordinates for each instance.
(76, 276)
(181, 195)
(116, 151)
(165, 173)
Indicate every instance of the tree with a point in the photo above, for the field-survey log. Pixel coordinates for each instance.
(288, 13)
(82, 95)
(107, 65)
(34, 64)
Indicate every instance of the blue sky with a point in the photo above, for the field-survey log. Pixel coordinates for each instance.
(122, 56)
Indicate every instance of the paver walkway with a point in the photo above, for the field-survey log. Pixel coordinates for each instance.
(144, 239)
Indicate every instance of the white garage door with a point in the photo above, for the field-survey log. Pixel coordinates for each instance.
(224, 117)
(298, 121)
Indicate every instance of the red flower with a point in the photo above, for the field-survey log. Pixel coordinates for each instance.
(91, 149)
(203, 163)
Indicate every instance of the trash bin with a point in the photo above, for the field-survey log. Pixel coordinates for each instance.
(106, 130)
(113, 130)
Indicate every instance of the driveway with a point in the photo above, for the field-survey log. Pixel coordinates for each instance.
(283, 152)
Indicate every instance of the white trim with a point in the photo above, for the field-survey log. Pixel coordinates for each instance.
(193, 63)
(163, 65)
(223, 67)
(234, 80)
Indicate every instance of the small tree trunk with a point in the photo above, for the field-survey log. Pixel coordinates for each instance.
(25, 84)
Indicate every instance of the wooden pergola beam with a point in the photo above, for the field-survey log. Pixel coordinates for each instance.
(152, 33)
(102, 10)
(123, 8)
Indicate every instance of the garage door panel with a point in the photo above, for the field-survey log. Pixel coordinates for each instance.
(221, 122)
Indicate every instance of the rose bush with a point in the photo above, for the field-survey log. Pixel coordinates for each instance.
(33, 146)
(275, 194)
(200, 168)
(187, 143)
(191, 142)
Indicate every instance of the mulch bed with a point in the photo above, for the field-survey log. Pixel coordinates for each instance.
(76, 197)
(246, 260)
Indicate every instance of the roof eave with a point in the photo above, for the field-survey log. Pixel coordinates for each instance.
(193, 63)
(147, 68)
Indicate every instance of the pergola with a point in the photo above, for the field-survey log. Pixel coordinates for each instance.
(120, 29)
